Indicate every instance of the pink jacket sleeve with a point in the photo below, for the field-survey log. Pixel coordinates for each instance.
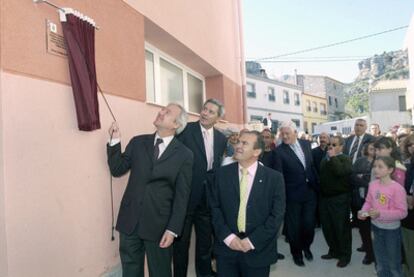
(368, 201)
(399, 176)
(398, 210)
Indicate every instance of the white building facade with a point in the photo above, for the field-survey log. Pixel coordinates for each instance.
(387, 104)
(409, 44)
(282, 100)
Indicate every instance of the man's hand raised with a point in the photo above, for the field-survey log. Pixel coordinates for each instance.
(113, 131)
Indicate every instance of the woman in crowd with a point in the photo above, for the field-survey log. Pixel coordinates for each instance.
(408, 223)
(386, 147)
(360, 179)
(386, 205)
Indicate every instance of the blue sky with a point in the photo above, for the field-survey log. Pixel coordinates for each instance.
(277, 27)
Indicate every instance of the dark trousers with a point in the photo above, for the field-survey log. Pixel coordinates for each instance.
(132, 251)
(201, 218)
(237, 267)
(336, 228)
(300, 225)
(364, 227)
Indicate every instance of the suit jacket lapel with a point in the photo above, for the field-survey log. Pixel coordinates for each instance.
(198, 138)
(292, 153)
(235, 181)
(257, 183)
(171, 148)
(217, 155)
(149, 146)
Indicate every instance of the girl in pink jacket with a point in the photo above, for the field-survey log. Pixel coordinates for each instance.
(386, 205)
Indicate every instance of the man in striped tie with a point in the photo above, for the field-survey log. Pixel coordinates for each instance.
(248, 203)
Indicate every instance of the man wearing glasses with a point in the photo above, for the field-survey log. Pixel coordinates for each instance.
(335, 202)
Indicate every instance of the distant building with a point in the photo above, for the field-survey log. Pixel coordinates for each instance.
(314, 111)
(282, 100)
(409, 44)
(387, 104)
(325, 87)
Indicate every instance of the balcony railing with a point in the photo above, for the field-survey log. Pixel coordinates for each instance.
(272, 98)
(297, 103)
(323, 112)
(286, 101)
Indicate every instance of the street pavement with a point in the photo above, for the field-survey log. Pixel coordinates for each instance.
(318, 267)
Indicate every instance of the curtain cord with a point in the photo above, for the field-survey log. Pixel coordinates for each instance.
(113, 116)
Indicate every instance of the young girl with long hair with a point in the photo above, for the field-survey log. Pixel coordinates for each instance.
(386, 205)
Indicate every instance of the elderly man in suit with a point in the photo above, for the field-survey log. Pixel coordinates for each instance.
(248, 204)
(154, 204)
(208, 146)
(353, 144)
(293, 158)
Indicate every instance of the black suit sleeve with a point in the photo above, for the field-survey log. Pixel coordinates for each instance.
(119, 163)
(265, 233)
(278, 160)
(181, 196)
(221, 229)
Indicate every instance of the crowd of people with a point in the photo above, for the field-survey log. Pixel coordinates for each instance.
(242, 192)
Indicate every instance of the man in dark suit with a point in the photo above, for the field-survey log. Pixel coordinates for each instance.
(318, 153)
(208, 146)
(294, 161)
(353, 148)
(154, 204)
(353, 144)
(248, 204)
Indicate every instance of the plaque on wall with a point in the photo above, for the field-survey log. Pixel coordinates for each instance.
(55, 42)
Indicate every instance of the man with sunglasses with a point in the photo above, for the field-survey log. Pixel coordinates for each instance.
(335, 202)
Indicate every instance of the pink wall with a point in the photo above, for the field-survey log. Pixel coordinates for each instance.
(56, 180)
(55, 217)
(3, 238)
(213, 33)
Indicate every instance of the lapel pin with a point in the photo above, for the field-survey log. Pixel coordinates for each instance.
(260, 180)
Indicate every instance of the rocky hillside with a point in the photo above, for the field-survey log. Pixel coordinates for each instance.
(387, 66)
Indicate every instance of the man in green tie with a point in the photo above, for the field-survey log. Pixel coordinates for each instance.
(247, 201)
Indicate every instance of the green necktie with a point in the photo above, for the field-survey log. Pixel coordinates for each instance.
(241, 219)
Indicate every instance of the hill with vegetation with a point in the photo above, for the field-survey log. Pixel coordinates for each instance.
(387, 66)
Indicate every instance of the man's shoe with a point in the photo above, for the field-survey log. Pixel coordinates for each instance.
(327, 257)
(280, 256)
(367, 260)
(342, 264)
(308, 255)
(298, 261)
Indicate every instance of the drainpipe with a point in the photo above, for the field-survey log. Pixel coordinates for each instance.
(242, 62)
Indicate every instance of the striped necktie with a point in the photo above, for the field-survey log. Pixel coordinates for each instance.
(354, 148)
(300, 154)
(157, 149)
(241, 219)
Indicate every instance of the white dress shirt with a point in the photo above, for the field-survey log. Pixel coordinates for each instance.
(208, 137)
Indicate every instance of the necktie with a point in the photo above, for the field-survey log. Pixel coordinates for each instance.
(241, 219)
(354, 148)
(209, 149)
(157, 148)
